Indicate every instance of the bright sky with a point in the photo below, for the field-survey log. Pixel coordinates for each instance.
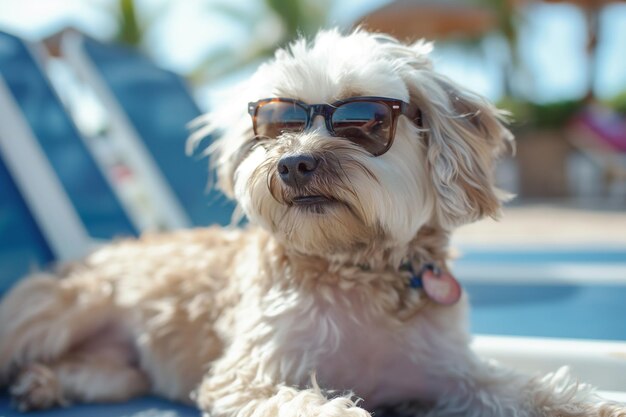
(552, 46)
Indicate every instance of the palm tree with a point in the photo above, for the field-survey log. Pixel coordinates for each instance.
(129, 30)
(288, 19)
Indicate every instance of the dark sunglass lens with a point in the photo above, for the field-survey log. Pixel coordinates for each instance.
(276, 117)
(367, 124)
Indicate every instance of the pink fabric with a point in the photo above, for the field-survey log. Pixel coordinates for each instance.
(607, 126)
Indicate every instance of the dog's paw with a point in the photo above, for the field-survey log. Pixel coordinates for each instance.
(36, 388)
(599, 409)
(612, 409)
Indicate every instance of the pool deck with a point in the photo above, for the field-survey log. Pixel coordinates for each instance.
(550, 223)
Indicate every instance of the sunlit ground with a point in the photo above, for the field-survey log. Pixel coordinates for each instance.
(551, 222)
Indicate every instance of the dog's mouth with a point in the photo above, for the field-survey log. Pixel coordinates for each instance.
(311, 200)
(313, 203)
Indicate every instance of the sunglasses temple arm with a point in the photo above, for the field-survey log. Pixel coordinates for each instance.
(413, 112)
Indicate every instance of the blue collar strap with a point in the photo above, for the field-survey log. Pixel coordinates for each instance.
(415, 281)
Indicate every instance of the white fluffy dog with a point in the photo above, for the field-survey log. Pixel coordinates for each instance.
(336, 300)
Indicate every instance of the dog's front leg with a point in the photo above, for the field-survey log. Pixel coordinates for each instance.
(273, 401)
(237, 386)
(488, 390)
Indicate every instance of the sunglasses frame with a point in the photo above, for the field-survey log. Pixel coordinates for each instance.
(396, 106)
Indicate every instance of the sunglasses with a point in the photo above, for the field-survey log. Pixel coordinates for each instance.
(369, 122)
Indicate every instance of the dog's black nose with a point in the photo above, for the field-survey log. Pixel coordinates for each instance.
(297, 170)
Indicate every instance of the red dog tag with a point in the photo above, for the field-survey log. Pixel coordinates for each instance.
(442, 288)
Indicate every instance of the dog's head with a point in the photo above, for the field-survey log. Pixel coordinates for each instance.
(321, 192)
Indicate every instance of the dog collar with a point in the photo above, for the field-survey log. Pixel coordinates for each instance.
(438, 285)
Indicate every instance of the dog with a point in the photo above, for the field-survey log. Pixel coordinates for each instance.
(353, 161)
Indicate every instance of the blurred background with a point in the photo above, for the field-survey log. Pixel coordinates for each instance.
(96, 95)
(558, 66)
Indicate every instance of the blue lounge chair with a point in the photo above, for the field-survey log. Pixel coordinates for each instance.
(151, 108)
(22, 243)
(52, 130)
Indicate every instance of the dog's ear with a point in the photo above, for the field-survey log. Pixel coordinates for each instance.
(464, 134)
